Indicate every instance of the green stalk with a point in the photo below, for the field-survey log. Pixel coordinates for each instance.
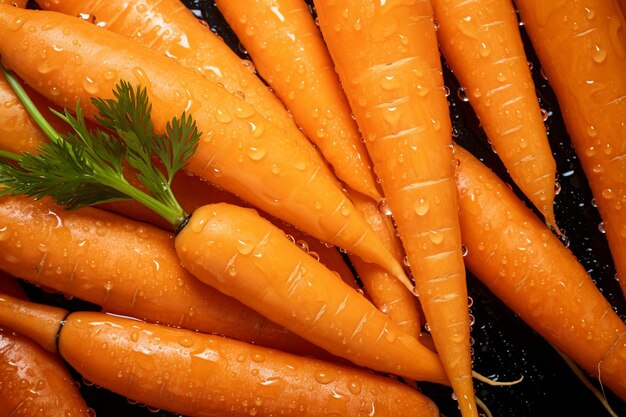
(30, 107)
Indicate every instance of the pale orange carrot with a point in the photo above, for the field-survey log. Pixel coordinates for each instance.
(239, 150)
(387, 59)
(482, 45)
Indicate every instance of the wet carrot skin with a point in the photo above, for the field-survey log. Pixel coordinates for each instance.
(201, 375)
(581, 47)
(482, 45)
(233, 250)
(34, 382)
(239, 151)
(289, 53)
(529, 269)
(127, 267)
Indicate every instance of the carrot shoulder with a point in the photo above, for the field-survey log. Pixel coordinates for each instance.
(581, 48)
(519, 259)
(235, 251)
(200, 375)
(387, 59)
(239, 150)
(289, 53)
(482, 44)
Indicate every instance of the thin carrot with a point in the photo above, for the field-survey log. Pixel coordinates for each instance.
(387, 59)
(387, 293)
(581, 48)
(239, 151)
(168, 27)
(289, 53)
(201, 375)
(232, 249)
(482, 44)
(127, 267)
(33, 381)
(512, 252)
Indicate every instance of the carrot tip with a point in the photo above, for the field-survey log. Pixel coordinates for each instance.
(493, 383)
(483, 407)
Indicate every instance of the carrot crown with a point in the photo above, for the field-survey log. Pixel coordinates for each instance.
(86, 167)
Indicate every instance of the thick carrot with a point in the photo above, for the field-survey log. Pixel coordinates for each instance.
(201, 375)
(581, 48)
(386, 292)
(482, 44)
(512, 252)
(15, 3)
(387, 59)
(235, 251)
(239, 150)
(289, 53)
(127, 267)
(622, 6)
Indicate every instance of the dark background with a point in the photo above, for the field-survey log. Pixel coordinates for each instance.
(504, 348)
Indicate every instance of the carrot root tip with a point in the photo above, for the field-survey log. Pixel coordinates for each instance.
(493, 383)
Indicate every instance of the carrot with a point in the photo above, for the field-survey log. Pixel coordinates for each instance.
(622, 6)
(387, 293)
(482, 44)
(581, 50)
(387, 59)
(35, 382)
(289, 53)
(233, 250)
(15, 3)
(168, 27)
(87, 254)
(529, 269)
(201, 375)
(279, 177)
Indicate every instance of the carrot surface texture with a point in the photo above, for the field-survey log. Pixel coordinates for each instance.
(239, 151)
(387, 59)
(202, 375)
(482, 45)
(530, 270)
(33, 382)
(581, 48)
(289, 53)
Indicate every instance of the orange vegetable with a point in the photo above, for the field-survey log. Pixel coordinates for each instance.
(234, 250)
(581, 48)
(387, 293)
(482, 44)
(531, 271)
(127, 267)
(201, 375)
(15, 3)
(289, 53)
(387, 59)
(239, 150)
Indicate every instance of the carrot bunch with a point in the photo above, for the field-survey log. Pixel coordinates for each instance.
(217, 119)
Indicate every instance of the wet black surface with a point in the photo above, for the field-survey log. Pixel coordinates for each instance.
(505, 348)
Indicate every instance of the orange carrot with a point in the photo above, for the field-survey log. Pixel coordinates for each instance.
(126, 267)
(482, 44)
(387, 59)
(581, 49)
(239, 150)
(201, 375)
(387, 293)
(15, 3)
(168, 27)
(234, 250)
(622, 5)
(289, 53)
(531, 271)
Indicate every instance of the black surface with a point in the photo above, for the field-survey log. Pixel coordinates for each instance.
(504, 346)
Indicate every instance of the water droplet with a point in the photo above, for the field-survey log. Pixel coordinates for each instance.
(436, 24)
(557, 188)
(421, 90)
(244, 111)
(464, 250)
(222, 116)
(601, 228)
(462, 94)
(591, 131)
(422, 206)
(389, 82)
(355, 387)
(598, 54)
(501, 77)
(324, 377)
(405, 262)
(256, 153)
(436, 237)
(545, 115)
(87, 17)
(589, 13)
(383, 207)
(484, 50)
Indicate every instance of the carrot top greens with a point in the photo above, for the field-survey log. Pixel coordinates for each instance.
(86, 167)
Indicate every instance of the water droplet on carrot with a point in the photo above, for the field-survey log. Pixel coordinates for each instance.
(383, 207)
(436, 237)
(462, 95)
(355, 387)
(598, 54)
(484, 50)
(422, 206)
(256, 153)
(324, 377)
(90, 86)
(601, 227)
(389, 82)
(222, 116)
